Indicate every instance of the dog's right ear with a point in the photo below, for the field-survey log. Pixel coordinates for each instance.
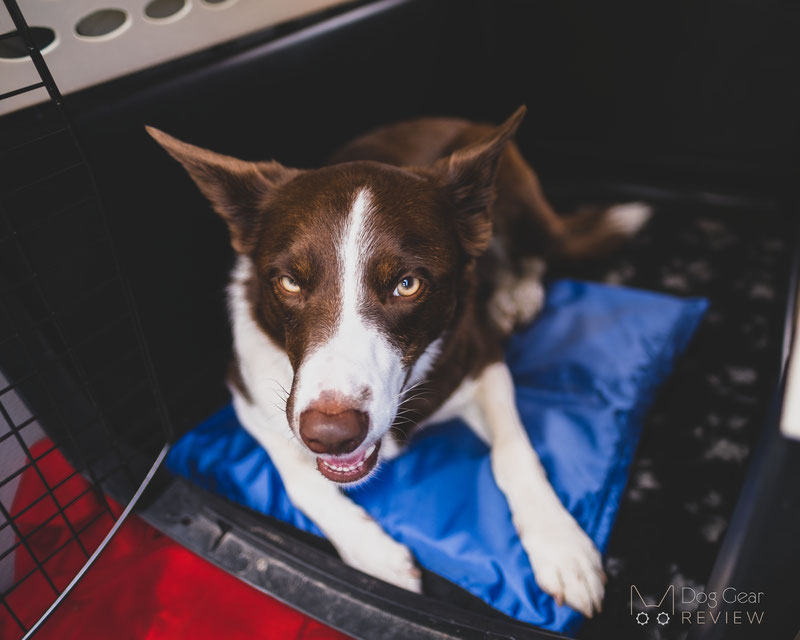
(235, 188)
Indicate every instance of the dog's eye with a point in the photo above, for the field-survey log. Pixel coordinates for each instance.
(288, 284)
(407, 287)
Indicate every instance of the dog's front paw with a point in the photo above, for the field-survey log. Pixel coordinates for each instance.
(566, 564)
(380, 556)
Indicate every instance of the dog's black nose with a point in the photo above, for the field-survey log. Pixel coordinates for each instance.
(333, 429)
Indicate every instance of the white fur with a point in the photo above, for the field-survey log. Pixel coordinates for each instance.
(359, 540)
(628, 218)
(265, 367)
(358, 357)
(565, 562)
(461, 404)
(267, 373)
(390, 447)
(424, 363)
(518, 298)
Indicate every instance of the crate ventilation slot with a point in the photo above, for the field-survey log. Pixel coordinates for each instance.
(164, 10)
(105, 23)
(12, 47)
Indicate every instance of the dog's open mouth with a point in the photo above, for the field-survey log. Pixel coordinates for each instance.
(349, 468)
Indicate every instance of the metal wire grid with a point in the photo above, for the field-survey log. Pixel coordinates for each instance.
(73, 362)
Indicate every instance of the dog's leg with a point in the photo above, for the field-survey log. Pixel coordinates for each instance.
(518, 298)
(360, 541)
(565, 562)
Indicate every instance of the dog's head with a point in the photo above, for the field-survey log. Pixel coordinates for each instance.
(357, 271)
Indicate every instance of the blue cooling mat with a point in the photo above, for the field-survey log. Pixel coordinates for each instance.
(585, 371)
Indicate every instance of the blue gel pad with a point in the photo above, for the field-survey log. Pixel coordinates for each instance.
(585, 372)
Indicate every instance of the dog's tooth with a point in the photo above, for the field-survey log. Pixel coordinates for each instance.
(349, 468)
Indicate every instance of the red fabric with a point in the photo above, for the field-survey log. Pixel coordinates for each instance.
(143, 586)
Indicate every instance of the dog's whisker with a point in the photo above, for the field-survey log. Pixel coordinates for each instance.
(281, 409)
(404, 420)
(422, 394)
(408, 411)
(416, 385)
(401, 436)
(414, 397)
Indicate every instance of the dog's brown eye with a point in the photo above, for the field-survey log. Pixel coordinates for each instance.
(288, 284)
(407, 287)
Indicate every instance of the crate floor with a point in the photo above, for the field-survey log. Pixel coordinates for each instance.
(698, 437)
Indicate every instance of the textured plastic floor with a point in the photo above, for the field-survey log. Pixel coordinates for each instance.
(698, 437)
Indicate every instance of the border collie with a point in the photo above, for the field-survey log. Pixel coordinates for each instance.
(373, 296)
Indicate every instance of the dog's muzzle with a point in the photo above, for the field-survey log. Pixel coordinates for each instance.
(336, 434)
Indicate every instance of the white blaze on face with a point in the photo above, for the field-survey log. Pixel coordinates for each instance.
(358, 360)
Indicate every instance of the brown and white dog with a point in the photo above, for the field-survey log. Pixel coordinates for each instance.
(373, 296)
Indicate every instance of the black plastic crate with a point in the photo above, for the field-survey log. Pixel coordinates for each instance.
(108, 287)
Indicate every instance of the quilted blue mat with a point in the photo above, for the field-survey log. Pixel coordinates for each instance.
(585, 372)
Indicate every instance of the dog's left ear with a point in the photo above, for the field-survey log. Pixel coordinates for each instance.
(235, 188)
(467, 177)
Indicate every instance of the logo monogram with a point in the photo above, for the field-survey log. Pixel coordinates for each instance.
(665, 607)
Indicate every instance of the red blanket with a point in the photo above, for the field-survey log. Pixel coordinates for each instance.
(143, 586)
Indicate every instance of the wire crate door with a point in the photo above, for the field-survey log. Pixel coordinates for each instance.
(82, 422)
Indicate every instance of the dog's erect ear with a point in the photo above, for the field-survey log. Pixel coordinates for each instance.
(467, 177)
(235, 188)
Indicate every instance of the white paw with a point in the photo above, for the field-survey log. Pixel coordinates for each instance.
(516, 301)
(380, 556)
(529, 298)
(566, 564)
(503, 310)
